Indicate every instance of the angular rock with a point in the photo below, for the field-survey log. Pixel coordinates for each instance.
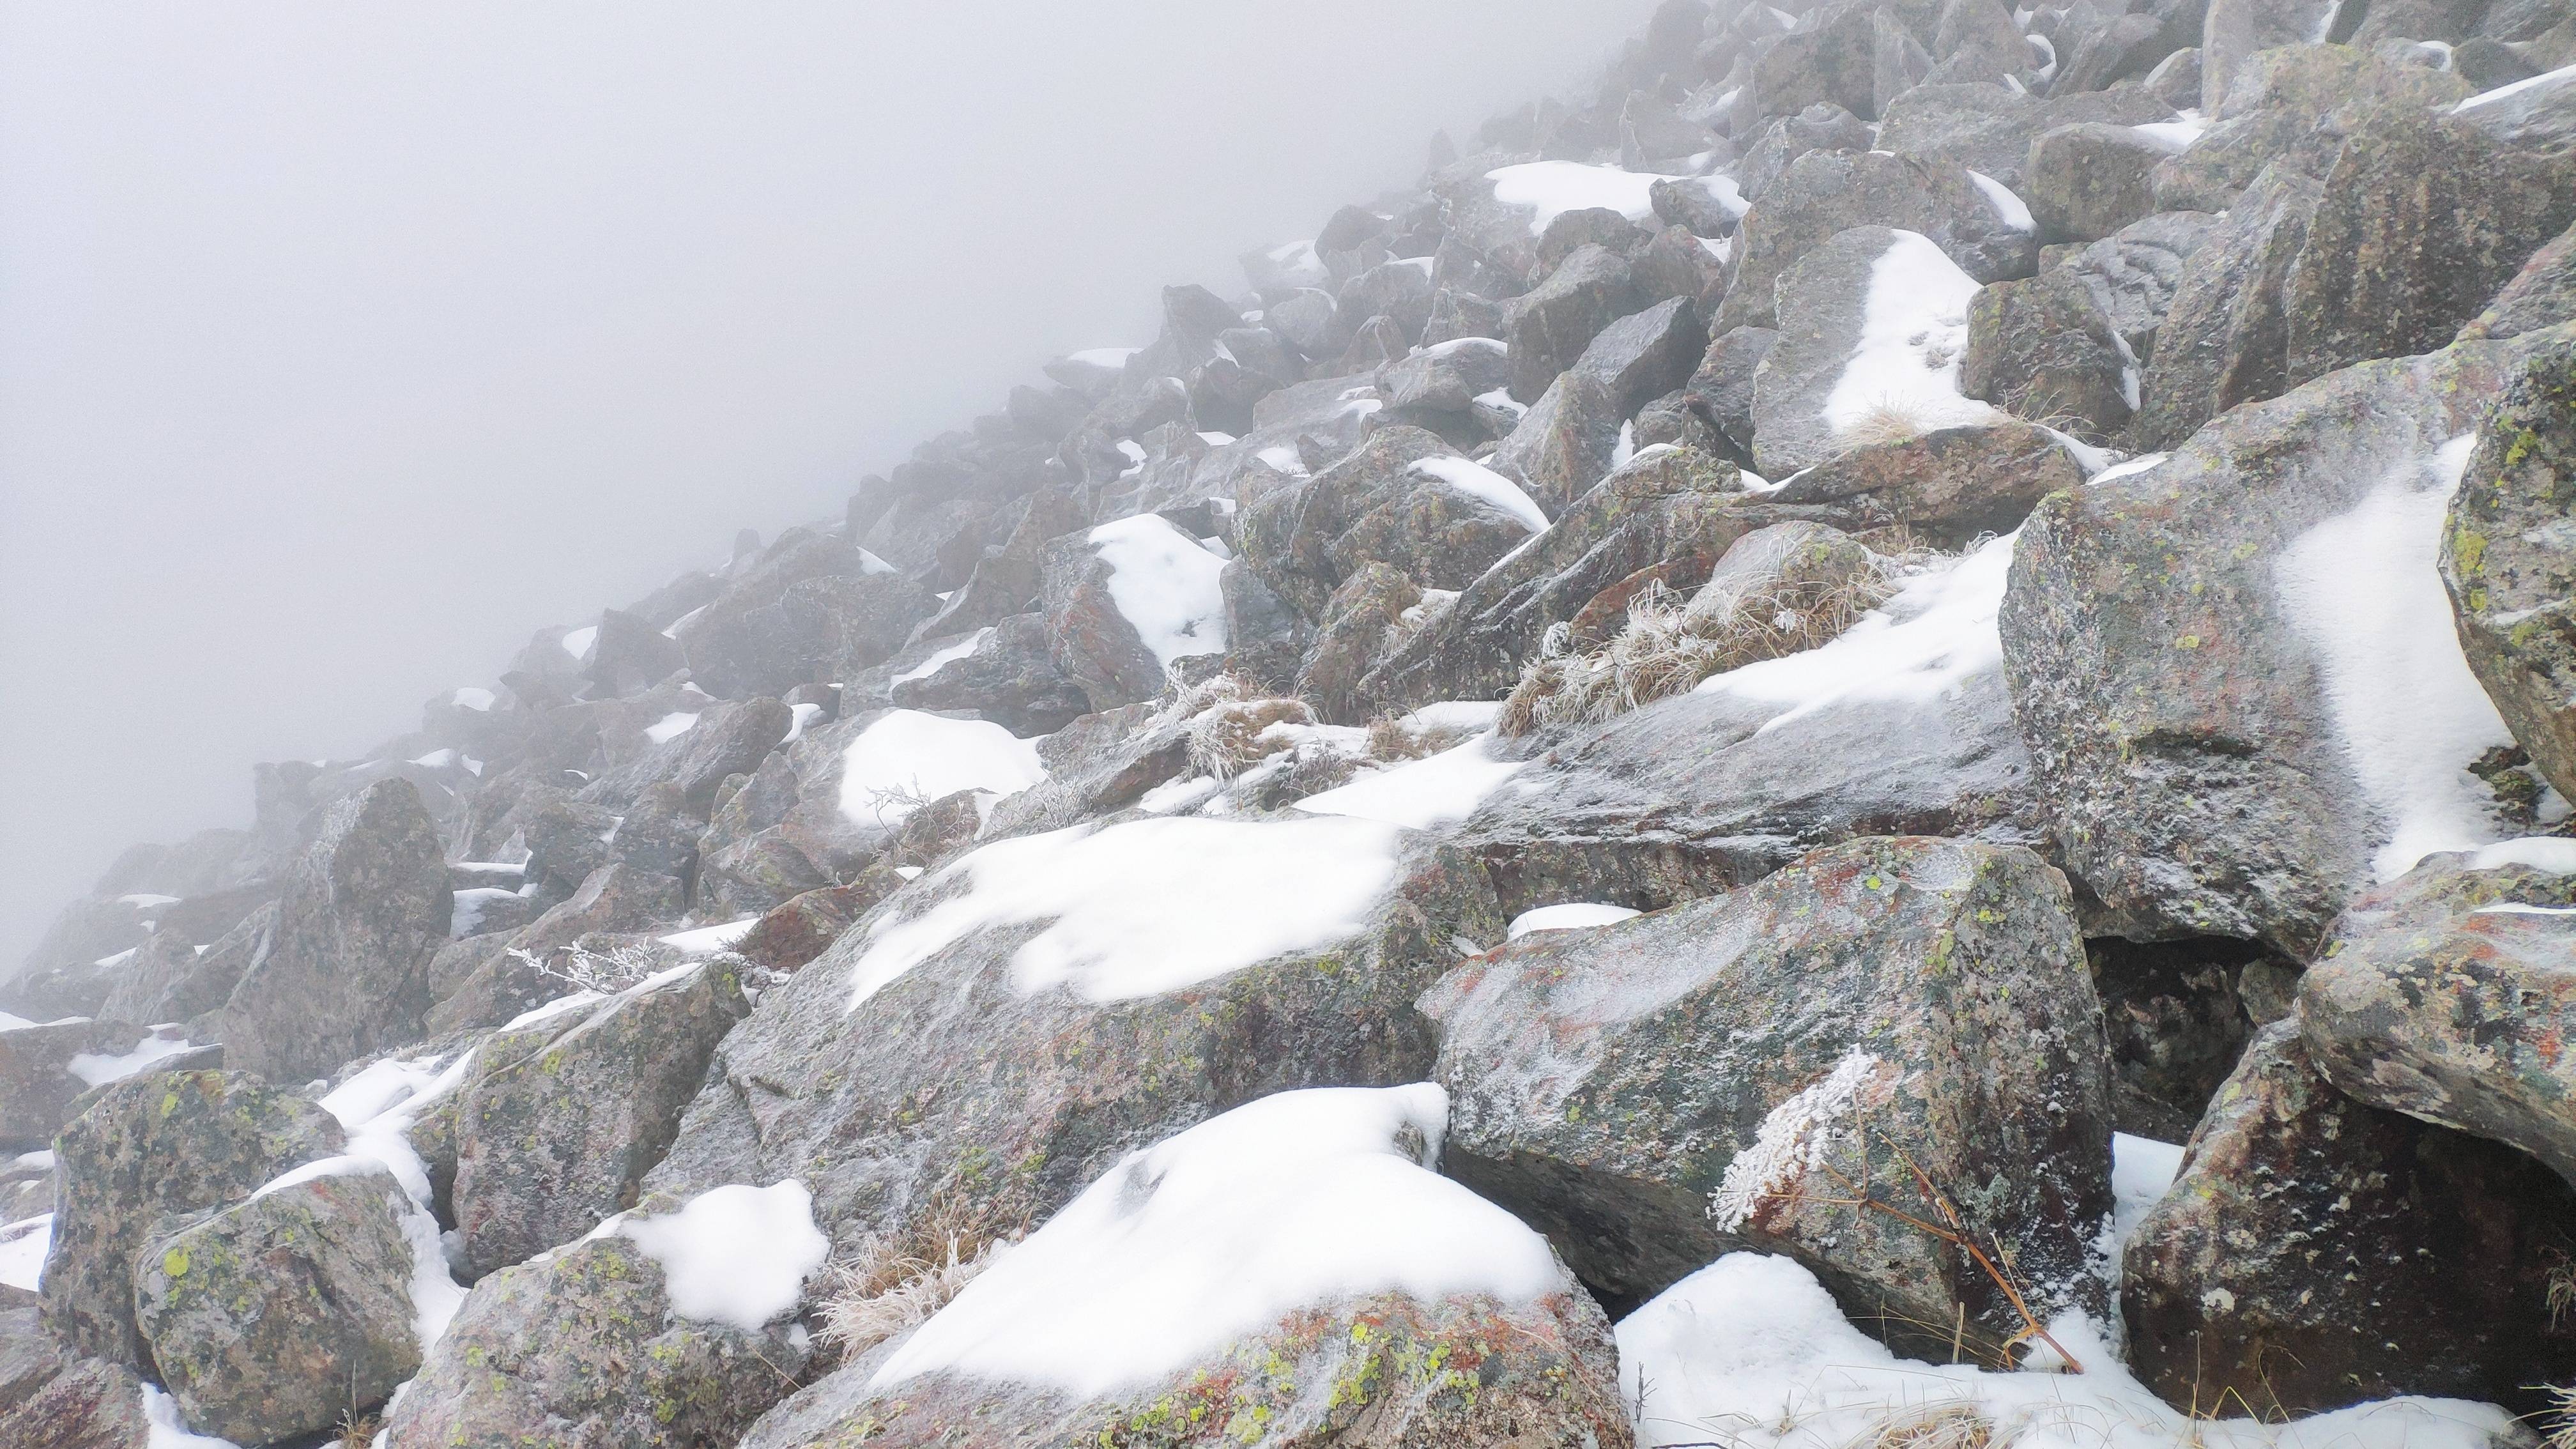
(2086, 181)
(1862, 982)
(1950, 485)
(37, 1087)
(1364, 616)
(513, 975)
(2542, 294)
(2166, 634)
(1640, 358)
(1559, 449)
(1820, 127)
(2508, 565)
(2226, 338)
(2134, 272)
(719, 742)
(60, 1400)
(2422, 219)
(1104, 588)
(167, 1142)
(285, 1314)
(1721, 390)
(2444, 994)
(2280, 109)
(1831, 58)
(1549, 327)
(2317, 1253)
(2043, 348)
(1826, 192)
(1375, 505)
(1010, 677)
(564, 1116)
(347, 971)
(1988, 127)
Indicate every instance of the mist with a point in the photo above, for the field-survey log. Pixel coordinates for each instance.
(343, 346)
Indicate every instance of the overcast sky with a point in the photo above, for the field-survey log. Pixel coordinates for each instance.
(345, 344)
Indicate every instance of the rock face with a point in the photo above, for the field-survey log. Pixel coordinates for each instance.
(2443, 995)
(2084, 182)
(2225, 338)
(2509, 568)
(1765, 1051)
(347, 971)
(2044, 348)
(616, 1340)
(1950, 485)
(283, 1314)
(173, 1142)
(61, 1400)
(37, 1086)
(1378, 506)
(564, 1116)
(2317, 1252)
(2165, 633)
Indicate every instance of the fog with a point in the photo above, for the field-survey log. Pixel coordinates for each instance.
(344, 345)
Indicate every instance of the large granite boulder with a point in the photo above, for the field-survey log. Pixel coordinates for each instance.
(1290, 1273)
(2542, 294)
(1730, 1073)
(2134, 272)
(1392, 501)
(666, 1330)
(162, 1143)
(2236, 29)
(563, 1116)
(1987, 126)
(1550, 325)
(347, 970)
(2225, 337)
(2317, 1253)
(286, 1314)
(1825, 192)
(2206, 656)
(2509, 565)
(1949, 486)
(58, 1399)
(2088, 180)
(37, 1081)
(814, 606)
(2281, 109)
(1127, 600)
(2043, 348)
(2444, 995)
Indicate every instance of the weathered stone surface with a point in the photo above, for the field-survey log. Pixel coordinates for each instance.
(812, 605)
(1721, 391)
(1364, 616)
(1949, 485)
(2422, 218)
(1831, 58)
(347, 972)
(2275, 113)
(1801, 416)
(1010, 1100)
(1549, 327)
(1825, 192)
(1095, 643)
(2541, 116)
(1011, 678)
(2195, 773)
(2509, 566)
(583, 1348)
(2317, 1253)
(170, 1142)
(56, 1399)
(2444, 995)
(284, 1314)
(2236, 29)
(37, 1087)
(1820, 127)
(1988, 127)
(1567, 443)
(2542, 294)
(512, 974)
(2042, 348)
(2225, 339)
(725, 740)
(2084, 182)
(1642, 357)
(2134, 272)
(564, 1116)
(1374, 506)
(1903, 965)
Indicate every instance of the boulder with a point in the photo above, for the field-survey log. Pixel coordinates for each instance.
(1007, 674)
(1364, 617)
(2196, 653)
(1290, 1306)
(564, 1116)
(347, 971)
(712, 744)
(1830, 58)
(1881, 1003)
(1988, 127)
(2443, 995)
(2317, 1253)
(1820, 127)
(2540, 116)
(1548, 327)
(166, 1142)
(2130, 45)
(1003, 1031)
(2421, 220)
(630, 655)
(1642, 357)
(1570, 441)
(813, 603)
(2133, 273)
(2282, 109)
(1721, 390)
(37, 1084)
(1949, 486)
(663, 1332)
(1381, 504)
(2225, 339)
(61, 1400)
(2086, 181)
(2236, 29)
(1826, 192)
(2508, 566)
(2542, 294)
(1878, 320)
(288, 1313)
(2043, 348)
(523, 970)
(1127, 600)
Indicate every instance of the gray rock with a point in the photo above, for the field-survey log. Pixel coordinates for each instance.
(2276, 113)
(2178, 1014)
(1949, 486)
(2043, 348)
(1820, 127)
(2196, 774)
(1549, 327)
(2438, 998)
(726, 740)
(511, 975)
(810, 604)
(58, 1399)
(1721, 390)
(2134, 272)
(286, 1314)
(1642, 357)
(2422, 219)
(1825, 298)
(1988, 127)
(2236, 29)
(2507, 563)
(164, 1142)
(2541, 116)
(2086, 181)
(1364, 616)
(2130, 45)
(2542, 294)
(37, 1087)
(1565, 444)
(1094, 643)
(1303, 540)
(1831, 58)
(1826, 192)
(563, 1117)
(2317, 1253)
(347, 971)
(2225, 339)
(1011, 678)
(1887, 966)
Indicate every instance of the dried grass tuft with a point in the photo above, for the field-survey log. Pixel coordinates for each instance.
(2560, 1417)
(887, 1284)
(1225, 738)
(1930, 1426)
(1667, 648)
(1885, 421)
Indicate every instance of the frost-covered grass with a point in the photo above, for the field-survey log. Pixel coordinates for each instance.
(1166, 585)
(907, 758)
(1146, 906)
(1214, 1235)
(888, 1283)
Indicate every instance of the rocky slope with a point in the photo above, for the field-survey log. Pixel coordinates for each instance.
(1866, 740)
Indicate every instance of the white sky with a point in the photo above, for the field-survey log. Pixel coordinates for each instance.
(345, 344)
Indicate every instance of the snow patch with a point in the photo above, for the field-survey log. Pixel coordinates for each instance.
(907, 759)
(670, 727)
(1165, 584)
(2562, 76)
(1298, 1199)
(1570, 916)
(23, 1246)
(1148, 906)
(1486, 486)
(99, 1069)
(941, 659)
(1422, 793)
(2363, 590)
(707, 940)
(1914, 328)
(735, 1255)
(578, 642)
(167, 1430)
(1553, 188)
(478, 700)
(377, 1108)
(2539, 852)
(2007, 204)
